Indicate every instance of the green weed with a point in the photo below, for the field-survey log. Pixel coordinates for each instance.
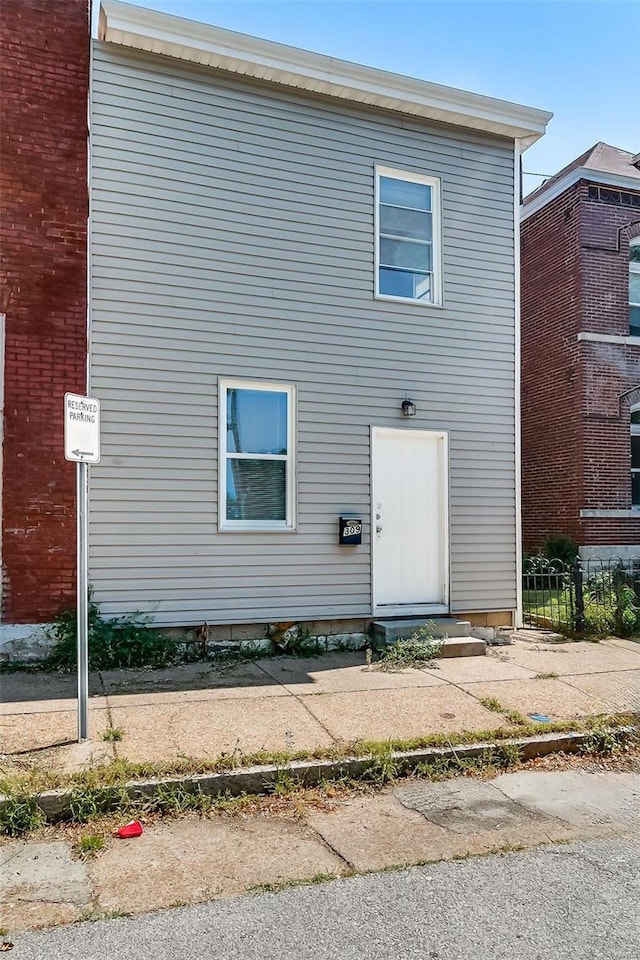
(86, 803)
(492, 704)
(91, 844)
(421, 649)
(127, 641)
(113, 734)
(277, 886)
(20, 815)
(607, 741)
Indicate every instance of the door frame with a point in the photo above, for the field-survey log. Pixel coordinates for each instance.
(399, 609)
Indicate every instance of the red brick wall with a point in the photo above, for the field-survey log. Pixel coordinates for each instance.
(43, 187)
(576, 442)
(610, 369)
(551, 375)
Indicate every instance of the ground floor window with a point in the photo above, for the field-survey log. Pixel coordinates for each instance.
(635, 455)
(256, 465)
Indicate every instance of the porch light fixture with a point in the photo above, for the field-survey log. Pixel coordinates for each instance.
(408, 408)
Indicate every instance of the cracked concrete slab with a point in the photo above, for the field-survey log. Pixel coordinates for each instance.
(41, 884)
(164, 731)
(194, 860)
(464, 806)
(375, 832)
(400, 714)
(553, 698)
(344, 672)
(573, 657)
(576, 796)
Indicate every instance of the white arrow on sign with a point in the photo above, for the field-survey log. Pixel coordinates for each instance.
(81, 428)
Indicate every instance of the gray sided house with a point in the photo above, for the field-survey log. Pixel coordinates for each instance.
(303, 296)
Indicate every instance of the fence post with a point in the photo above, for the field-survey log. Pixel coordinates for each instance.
(576, 577)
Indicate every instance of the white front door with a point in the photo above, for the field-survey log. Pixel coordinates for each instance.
(409, 522)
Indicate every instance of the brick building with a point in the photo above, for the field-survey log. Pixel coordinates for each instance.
(44, 79)
(580, 239)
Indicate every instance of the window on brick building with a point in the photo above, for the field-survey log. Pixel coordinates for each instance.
(635, 455)
(634, 287)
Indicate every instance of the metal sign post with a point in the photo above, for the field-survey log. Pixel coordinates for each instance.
(82, 447)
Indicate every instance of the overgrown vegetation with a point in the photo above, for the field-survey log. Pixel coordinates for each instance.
(119, 642)
(421, 649)
(594, 601)
(20, 814)
(606, 740)
(110, 789)
(561, 547)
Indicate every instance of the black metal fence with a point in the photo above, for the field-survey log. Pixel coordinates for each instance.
(593, 596)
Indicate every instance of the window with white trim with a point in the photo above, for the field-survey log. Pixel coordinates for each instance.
(634, 287)
(256, 475)
(408, 244)
(635, 455)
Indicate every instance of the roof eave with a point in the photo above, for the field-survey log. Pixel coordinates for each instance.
(579, 173)
(154, 32)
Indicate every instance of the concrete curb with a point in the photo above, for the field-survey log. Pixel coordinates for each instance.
(55, 804)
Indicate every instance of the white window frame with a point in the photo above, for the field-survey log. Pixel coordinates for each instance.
(635, 432)
(273, 526)
(634, 268)
(436, 223)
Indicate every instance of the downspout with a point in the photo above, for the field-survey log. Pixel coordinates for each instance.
(517, 196)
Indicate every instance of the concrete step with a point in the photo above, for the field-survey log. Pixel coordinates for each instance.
(457, 634)
(463, 647)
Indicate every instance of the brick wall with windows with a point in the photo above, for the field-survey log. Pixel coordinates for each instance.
(551, 374)
(575, 391)
(43, 234)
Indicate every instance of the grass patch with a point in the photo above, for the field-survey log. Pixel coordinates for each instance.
(519, 720)
(20, 815)
(113, 734)
(546, 676)
(492, 704)
(277, 886)
(548, 604)
(90, 845)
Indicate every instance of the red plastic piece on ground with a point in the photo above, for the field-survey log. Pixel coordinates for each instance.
(133, 829)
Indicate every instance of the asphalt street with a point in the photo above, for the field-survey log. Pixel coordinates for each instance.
(561, 902)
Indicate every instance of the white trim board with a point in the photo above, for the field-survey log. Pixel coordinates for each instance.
(518, 619)
(580, 173)
(160, 33)
(618, 339)
(612, 513)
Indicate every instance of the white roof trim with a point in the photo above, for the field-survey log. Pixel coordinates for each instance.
(171, 36)
(580, 173)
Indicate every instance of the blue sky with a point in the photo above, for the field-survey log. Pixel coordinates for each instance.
(579, 59)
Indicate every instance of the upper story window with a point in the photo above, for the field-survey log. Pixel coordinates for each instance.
(635, 456)
(634, 287)
(408, 244)
(256, 468)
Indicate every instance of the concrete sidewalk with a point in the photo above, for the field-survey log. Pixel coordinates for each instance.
(193, 859)
(203, 710)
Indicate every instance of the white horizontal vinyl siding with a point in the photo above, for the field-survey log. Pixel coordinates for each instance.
(232, 237)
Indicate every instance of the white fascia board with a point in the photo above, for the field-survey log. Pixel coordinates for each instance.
(580, 173)
(160, 33)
